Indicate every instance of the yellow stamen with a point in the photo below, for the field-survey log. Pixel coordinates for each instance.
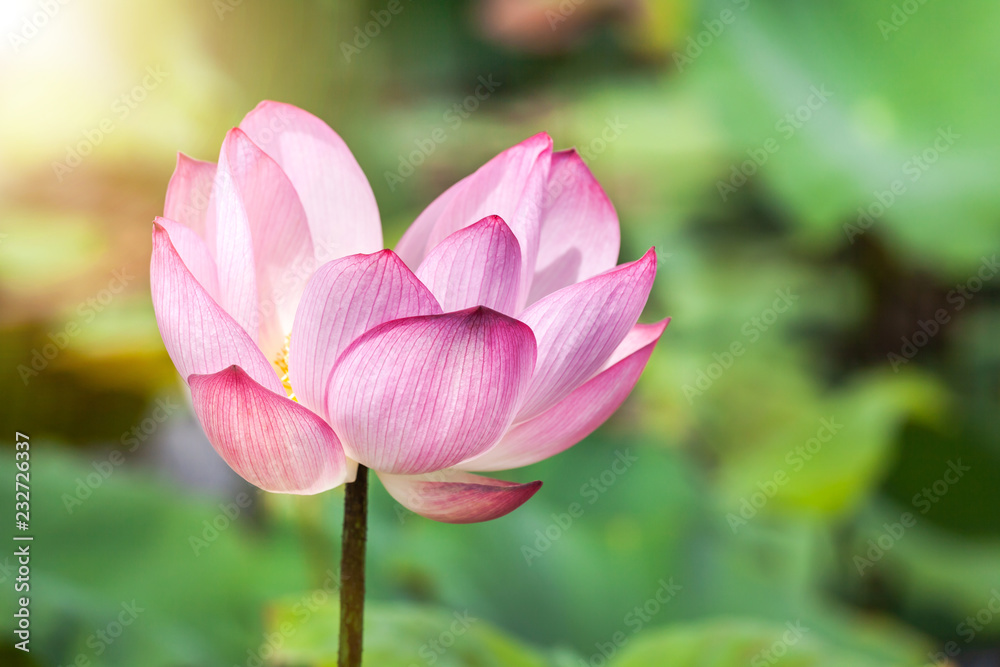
(281, 364)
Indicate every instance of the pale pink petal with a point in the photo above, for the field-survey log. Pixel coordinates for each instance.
(269, 440)
(479, 265)
(227, 235)
(344, 299)
(194, 253)
(576, 416)
(457, 497)
(511, 185)
(580, 235)
(579, 327)
(189, 192)
(420, 394)
(199, 335)
(338, 200)
(282, 247)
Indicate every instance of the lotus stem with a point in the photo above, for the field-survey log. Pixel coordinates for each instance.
(352, 570)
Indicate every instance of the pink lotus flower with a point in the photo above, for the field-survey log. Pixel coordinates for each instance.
(498, 334)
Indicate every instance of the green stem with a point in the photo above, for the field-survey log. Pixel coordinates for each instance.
(352, 570)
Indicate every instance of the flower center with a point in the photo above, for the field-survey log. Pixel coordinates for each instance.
(281, 365)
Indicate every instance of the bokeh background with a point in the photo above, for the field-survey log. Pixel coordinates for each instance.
(813, 450)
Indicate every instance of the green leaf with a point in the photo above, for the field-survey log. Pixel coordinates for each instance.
(739, 642)
(304, 633)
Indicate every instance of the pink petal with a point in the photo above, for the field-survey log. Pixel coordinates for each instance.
(189, 192)
(510, 185)
(456, 497)
(269, 440)
(579, 327)
(580, 235)
(419, 394)
(227, 234)
(476, 266)
(344, 299)
(199, 335)
(338, 200)
(282, 247)
(194, 253)
(576, 416)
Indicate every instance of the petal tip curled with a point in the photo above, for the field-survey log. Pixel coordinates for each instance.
(542, 139)
(456, 497)
(650, 257)
(225, 373)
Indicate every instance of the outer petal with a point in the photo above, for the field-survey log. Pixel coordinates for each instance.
(422, 393)
(282, 247)
(344, 299)
(338, 199)
(271, 441)
(510, 185)
(579, 327)
(199, 335)
(576, 416)
(580, 235)
(457, 497)
(194, 253)
(189, 192)
(476, 266)
(228, 237)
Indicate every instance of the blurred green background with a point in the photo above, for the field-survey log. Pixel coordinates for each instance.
(815, 441)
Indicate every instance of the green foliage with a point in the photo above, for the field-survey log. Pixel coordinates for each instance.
(395, 636)
(732, 643)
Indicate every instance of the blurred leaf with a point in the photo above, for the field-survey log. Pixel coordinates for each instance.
(832, 450)
(737, 642)
(304, 634)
